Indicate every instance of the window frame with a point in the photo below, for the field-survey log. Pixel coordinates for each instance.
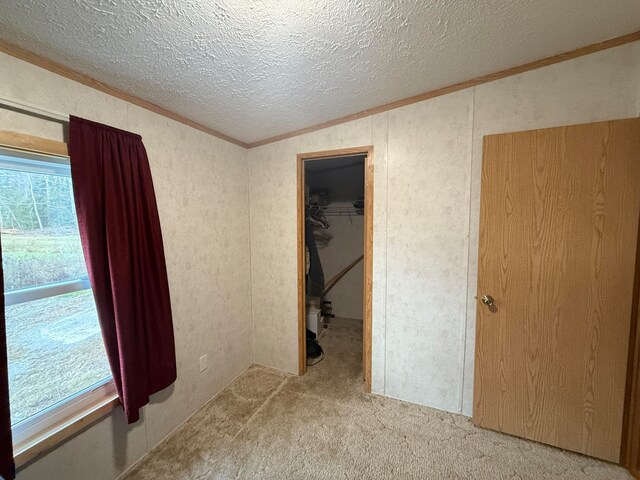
(29, 294)
(34, 434)
(32, 427)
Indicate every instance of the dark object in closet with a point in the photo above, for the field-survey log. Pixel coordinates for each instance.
(327, 309)
(315, 215)
(315, 285)
(359, 206)
(314, 350)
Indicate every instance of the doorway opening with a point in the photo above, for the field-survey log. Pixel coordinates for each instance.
(335, 221)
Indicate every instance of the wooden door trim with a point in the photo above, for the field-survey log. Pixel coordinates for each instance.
(368, 254)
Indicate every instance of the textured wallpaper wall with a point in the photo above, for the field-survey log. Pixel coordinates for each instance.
(202, 191)
(428, 159)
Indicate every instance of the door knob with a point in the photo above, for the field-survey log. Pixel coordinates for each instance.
(488, 300)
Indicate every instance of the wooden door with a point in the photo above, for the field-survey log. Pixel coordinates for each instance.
(558, 232)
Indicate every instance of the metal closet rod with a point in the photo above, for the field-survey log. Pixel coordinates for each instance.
(11, 104)
(342, 211)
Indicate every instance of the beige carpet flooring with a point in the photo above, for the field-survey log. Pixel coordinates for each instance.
(268, 424)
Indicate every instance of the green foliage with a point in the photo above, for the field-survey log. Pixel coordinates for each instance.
(38, 259)
(38, 223)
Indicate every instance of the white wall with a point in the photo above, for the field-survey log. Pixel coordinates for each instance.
(346, 244)
(426, 204)
(202, 192)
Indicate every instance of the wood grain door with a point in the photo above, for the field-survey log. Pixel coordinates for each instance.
(558, 232)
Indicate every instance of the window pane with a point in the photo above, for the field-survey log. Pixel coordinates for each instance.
(40, 241)
(54, 343)
(55, 350)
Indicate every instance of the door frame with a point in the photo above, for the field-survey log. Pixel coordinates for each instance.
(368, 255)
(630, 447)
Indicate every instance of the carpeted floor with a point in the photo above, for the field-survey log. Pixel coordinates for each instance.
(268, 424)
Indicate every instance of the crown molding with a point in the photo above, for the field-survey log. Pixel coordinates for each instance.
(579, 52)
(59, 69)
(55, 67)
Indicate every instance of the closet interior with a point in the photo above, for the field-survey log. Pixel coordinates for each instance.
(334, 241)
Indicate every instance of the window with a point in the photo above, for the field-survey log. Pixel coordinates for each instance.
(57, 361)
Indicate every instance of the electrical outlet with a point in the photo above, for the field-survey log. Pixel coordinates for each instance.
(204, 363)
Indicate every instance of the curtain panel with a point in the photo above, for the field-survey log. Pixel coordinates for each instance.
(7, 465)
(122, 243)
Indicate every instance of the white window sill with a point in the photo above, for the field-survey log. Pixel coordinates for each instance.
(45, 440)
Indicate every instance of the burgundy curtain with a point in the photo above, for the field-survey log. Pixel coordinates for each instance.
(7, 466)
(122, 243)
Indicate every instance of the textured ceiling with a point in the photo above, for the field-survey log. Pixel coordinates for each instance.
(254, 69)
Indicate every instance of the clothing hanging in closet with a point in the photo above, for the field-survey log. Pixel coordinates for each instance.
(315, 283)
